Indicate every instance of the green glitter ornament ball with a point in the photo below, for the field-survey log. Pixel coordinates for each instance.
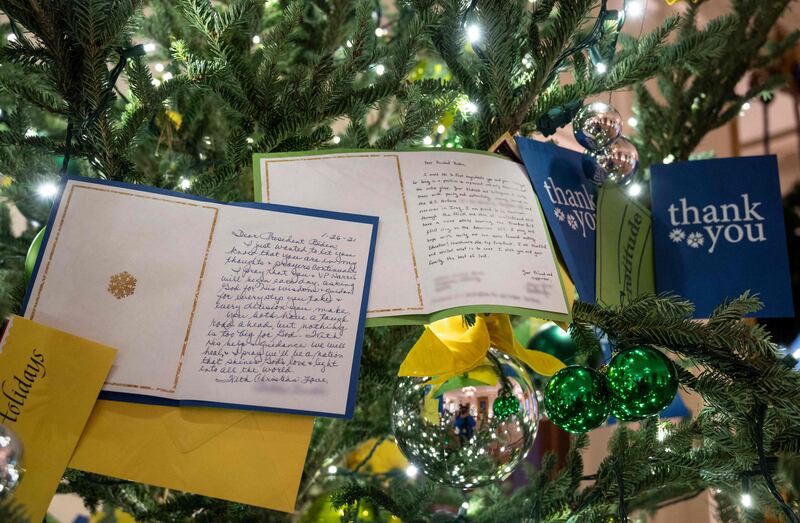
(505, 406)
(642, 382)
(576, 399)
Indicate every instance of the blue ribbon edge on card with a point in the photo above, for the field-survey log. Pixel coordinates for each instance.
(318, 213)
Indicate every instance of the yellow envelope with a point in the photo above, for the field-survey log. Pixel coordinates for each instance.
(50, 381)
(254, 458)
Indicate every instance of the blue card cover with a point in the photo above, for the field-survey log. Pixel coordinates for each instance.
(719, 231)
(568, 200)
(166, 401)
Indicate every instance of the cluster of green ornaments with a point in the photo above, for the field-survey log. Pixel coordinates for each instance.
(637, 383)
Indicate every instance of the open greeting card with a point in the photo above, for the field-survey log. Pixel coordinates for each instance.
(459, 232)
(257, 307)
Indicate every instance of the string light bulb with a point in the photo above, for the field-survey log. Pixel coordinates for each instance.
(473, 33)
(601, 68)
(256, 39)
(634, 9)
(332, 469)
(468, 107)
(412, 471)
(149, 47)
(747, 500)
(47, 190)
(185, 183)
(380, 69)
(632, 121)
(635, 190)
(427, 140)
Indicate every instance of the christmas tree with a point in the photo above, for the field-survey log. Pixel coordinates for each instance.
(179, 95)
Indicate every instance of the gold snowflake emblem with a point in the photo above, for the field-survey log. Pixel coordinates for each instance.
(122, 285)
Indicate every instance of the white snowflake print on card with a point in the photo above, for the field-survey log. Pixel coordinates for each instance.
(572, 222)
(695, 240)
(677, 235)
(559, 214)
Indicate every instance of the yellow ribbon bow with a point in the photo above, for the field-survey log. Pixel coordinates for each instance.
(450, 347)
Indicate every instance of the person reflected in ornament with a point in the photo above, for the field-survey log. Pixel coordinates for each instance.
(464, 424)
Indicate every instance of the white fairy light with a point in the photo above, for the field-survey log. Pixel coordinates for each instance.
(256, 39)
(30, 133)
(601, 68)
(411, 471)
(336, 139)
(380, 69)
(796, 354)
(47, 190)
(669, 158)
(747, 500)
(634, 9)
(465, 505)
(159, 67)
(167, 76)
(661, 435)
(635, 189)
(632, 121)
(746, 106)
(149, 47)
(468, 107)
(473, 33)
(11, 37)
(156, 82)
(349, 43)
(427, 140)
(380, 31)
(440, 128)
(332, 469)
(185, 183)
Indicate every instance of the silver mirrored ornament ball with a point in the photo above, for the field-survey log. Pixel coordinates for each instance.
(597, 125)
(616, 163)
(10, 461)
(472, 430)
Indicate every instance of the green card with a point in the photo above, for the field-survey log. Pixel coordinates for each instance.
(624, 248)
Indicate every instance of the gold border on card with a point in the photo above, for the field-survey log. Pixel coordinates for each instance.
(402, 195)
(199, 281)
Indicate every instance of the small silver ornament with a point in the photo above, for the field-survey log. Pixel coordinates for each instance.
(616, 163)
(10, 461)
(466, 432)
(597, 125)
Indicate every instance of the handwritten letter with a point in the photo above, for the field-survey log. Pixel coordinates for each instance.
(480, 236)
(285, 308)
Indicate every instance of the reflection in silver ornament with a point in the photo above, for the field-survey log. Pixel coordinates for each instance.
(597, 125)
(616, 163)
(450, 431)
(10, 461)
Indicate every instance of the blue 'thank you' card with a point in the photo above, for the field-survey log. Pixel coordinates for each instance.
(568, 199)
(719, 231)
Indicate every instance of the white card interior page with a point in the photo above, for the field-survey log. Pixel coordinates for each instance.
(457, 229)
(207, 302)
